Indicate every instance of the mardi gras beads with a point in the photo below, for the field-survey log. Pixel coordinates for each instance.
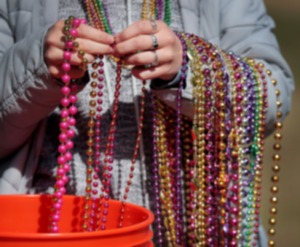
(67, 121)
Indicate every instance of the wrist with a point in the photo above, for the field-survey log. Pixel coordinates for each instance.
(159, 83)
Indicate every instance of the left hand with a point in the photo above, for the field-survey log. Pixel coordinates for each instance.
(135, 46)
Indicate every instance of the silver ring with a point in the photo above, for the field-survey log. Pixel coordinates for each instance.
(153, 24)
(154, 63)
(154, 41)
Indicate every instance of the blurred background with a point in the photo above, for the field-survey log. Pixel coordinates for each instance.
(287, 17)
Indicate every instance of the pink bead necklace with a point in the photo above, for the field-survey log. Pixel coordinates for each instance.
(67, 122)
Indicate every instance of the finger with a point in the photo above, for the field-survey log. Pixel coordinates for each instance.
(144, 42)
(55, 55)
(93, 47)
(160, 56)
(55, 35)
(75, 72)
(87, 32)
(88, 46)
(139, 28)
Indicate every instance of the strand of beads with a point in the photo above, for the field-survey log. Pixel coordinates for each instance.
(189, 179)
(166, 159)
(276, 167)
(90, 161)
(238, 113)
(152, 8)
(97, 142)
(159, 9)
(210, 145)
(93, 152)
(235, 139)
(109, 153)
(260, 116)
(156, 190)
(135, 153)
(67, 121)
(214, 128)
(180, 238)
(167, 13)
(144, 10)
(220, 88)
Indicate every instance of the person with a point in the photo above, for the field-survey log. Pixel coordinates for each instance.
(31, 51)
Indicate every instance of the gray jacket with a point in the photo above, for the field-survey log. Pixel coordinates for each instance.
(28, 93)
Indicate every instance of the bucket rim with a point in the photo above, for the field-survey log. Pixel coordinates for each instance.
(77, 235)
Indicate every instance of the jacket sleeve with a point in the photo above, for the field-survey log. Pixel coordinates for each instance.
(27, 91)
(246, 29)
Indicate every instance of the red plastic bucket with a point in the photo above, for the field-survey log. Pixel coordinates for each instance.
(24, 220)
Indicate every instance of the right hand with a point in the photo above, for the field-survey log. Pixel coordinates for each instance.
(92, 41)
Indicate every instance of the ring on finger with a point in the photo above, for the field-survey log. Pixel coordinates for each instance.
(154, 63)
(154, 41)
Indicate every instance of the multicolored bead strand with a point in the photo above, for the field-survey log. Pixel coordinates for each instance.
(135, 153)
(93, 151)
(90, 155)
(97, 140)
(109, 152)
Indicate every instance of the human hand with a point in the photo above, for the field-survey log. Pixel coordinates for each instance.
(135, 45)
(92, 41)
